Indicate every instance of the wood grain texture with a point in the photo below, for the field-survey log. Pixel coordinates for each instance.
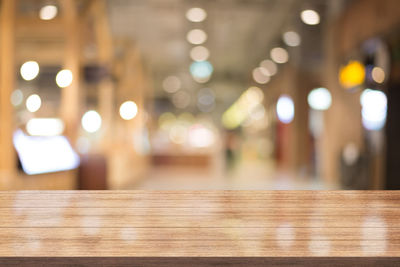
(201, 224)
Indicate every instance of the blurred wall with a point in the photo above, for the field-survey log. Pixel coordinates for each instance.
(361, 20)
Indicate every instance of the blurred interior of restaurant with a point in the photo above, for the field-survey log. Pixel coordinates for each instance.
(199, 95)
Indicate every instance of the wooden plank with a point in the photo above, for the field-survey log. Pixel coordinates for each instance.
(200, 224)
(200, 261)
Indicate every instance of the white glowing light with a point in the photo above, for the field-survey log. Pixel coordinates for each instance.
(128, 110)
(199, 53)
(292, 38)
(285, 109)
(196, 14)
(171, 84)
(374, 109)
(17, 97)
(33, 103)
(279, 55)
(270, 66)
(91, 121)
(196, 36)
(48, 12)
(29, 70)
(45, 126)
(44, 154)
(200, 136)
(310, 17)
(64, 78)
(319, 99)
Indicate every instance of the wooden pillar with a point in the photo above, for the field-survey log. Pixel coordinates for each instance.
(7, 79)
(70, 104)
(105, 56)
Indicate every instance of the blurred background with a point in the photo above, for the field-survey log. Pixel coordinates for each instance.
(211, 94)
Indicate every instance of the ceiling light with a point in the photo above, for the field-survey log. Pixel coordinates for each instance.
(310, 17)
(292, 38)
(29, 70)
(196, 36)
(196, 14)
(279, 55)
(199, 53)
(48, 12)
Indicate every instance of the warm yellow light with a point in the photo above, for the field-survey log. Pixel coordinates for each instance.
(48, 12)
(64, 78)
(196, 36)
(378, 75)
(33, 103)
(352, 75)
(246, 106)
(128, 110)
(29, 70)
(196, 14)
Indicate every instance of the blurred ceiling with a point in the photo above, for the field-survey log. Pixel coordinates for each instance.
(240, 33)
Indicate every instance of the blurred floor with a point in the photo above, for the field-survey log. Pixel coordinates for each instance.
(246, 175)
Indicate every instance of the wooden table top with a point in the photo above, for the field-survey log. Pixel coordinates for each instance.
(200, 223)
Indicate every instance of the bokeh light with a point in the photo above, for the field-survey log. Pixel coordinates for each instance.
(374, 109)
(270, 66)
(29, 70)
(279, 55)
(45, 127)
(201, 70)
(352, 75)
(310, 17)
(292, 38)
(245, 107)
(33, 103)
(196, 14)
(48, 12)
(260, 75)
(171, 84)
(196, 36)
(199, 53)
(378, 75)
(285, 109)
(181, 99)
(319, 99)
(64, 78)
(178, 134)
(91, 121)
(128, 110)
(17, 97)
(200, 136)
(205, 100)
